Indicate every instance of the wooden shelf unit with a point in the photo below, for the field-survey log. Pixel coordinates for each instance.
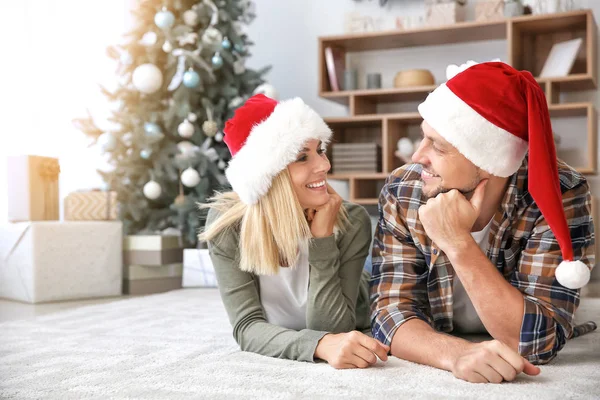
(529, 40)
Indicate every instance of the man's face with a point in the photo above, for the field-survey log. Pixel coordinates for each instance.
(444, 168)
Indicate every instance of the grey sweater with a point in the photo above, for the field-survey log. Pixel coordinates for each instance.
(337, 294)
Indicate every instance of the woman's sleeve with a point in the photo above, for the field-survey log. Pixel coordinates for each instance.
(242, 302)
(335, 271)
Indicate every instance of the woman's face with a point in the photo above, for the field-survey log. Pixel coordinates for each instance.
(309, 175)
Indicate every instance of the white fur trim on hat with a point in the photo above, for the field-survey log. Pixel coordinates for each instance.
(486, 145)
(271, 146)
(572, 274)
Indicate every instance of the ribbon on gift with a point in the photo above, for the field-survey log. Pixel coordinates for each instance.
(48, 169)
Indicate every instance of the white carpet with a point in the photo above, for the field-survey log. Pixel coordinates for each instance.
(178, 345)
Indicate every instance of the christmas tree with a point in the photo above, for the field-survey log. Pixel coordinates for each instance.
(182, 75)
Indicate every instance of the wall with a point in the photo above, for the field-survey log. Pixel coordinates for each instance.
(285, 33)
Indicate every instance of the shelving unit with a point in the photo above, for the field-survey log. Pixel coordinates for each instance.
(529, 40)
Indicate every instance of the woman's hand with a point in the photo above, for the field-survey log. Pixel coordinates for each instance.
(323, 219)
(350, 350)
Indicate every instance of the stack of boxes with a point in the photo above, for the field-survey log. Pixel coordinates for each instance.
(43, 259)
(152, 264)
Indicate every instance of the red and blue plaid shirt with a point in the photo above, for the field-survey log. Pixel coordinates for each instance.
(410, 279)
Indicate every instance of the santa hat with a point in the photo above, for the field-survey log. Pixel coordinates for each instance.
(264, 136)
(494, 114)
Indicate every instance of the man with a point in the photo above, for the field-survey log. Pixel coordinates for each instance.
(472, 236)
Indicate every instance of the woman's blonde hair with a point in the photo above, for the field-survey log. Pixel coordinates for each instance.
(272, 231)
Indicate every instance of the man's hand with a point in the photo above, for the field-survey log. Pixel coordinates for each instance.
(323, 219)
(492, 362)
(449, 217)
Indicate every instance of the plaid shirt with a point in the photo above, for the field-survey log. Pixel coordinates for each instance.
(411, 279)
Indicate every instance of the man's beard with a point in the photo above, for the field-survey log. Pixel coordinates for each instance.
(467, 191)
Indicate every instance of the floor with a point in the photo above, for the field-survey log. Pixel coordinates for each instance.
(13, 310)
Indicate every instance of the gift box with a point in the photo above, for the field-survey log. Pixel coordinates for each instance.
(444, 12)
(151, 250)
(32, 188)
(152, 264)
(52, 261)
(144, 279)
(198, 270)
(93, 205)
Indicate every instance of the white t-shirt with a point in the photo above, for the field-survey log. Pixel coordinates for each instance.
(283, 296)
(465, 317)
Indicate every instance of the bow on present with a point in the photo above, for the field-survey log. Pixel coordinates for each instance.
(49, 170)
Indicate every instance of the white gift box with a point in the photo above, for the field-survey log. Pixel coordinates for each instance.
(50, 260)
(198, 269)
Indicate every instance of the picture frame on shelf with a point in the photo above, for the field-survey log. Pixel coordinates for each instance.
(561, 58)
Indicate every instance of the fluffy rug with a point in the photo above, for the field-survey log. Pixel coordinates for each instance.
(178, 345)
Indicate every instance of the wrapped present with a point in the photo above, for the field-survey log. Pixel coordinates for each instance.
(52, 261)
(143, 279)
(152, 263)
(32, 188)
(151, 250)
(444, 12)
(198, 270)
(93, 205)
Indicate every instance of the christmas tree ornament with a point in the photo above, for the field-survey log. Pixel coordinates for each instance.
(222, 165)
(190, 18)
(219, 137)
(238, 66)
(226, 44)
(185, 129)
(147, 78)
(191, 79)
(209, 128)
(190, 177)
(167, 47)
(267, 89)
(126, 58)
(152, 190)
(129, 152)
(236, 102)
(217, 61)
(212, 37)
(186, 148)
(164, 19)
(189, 38)
(107, 142)
(151, 127)
(239, 48)
(192, 117)
(149, 39)
(405, 147)
(145, 154)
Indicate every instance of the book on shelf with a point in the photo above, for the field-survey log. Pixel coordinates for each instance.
(335, 59)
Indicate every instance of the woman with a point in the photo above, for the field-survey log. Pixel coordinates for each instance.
(288, 253)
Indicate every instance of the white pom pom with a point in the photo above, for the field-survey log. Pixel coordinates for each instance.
(572, 274)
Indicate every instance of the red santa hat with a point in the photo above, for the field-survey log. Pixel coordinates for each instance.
(494, 114)
(264, 136)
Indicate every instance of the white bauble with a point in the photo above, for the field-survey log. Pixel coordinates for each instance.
(190, 177)
(147, 78)
(219, 137)
(190, 18)
(192, 117)
(212, 37)
(185, 129)
(107, 142)
(152, 190)
(149, 39)
(236, 102)
(405, 147)
(186, 148)
(267, 89)
(167, 47)
(222, 164)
